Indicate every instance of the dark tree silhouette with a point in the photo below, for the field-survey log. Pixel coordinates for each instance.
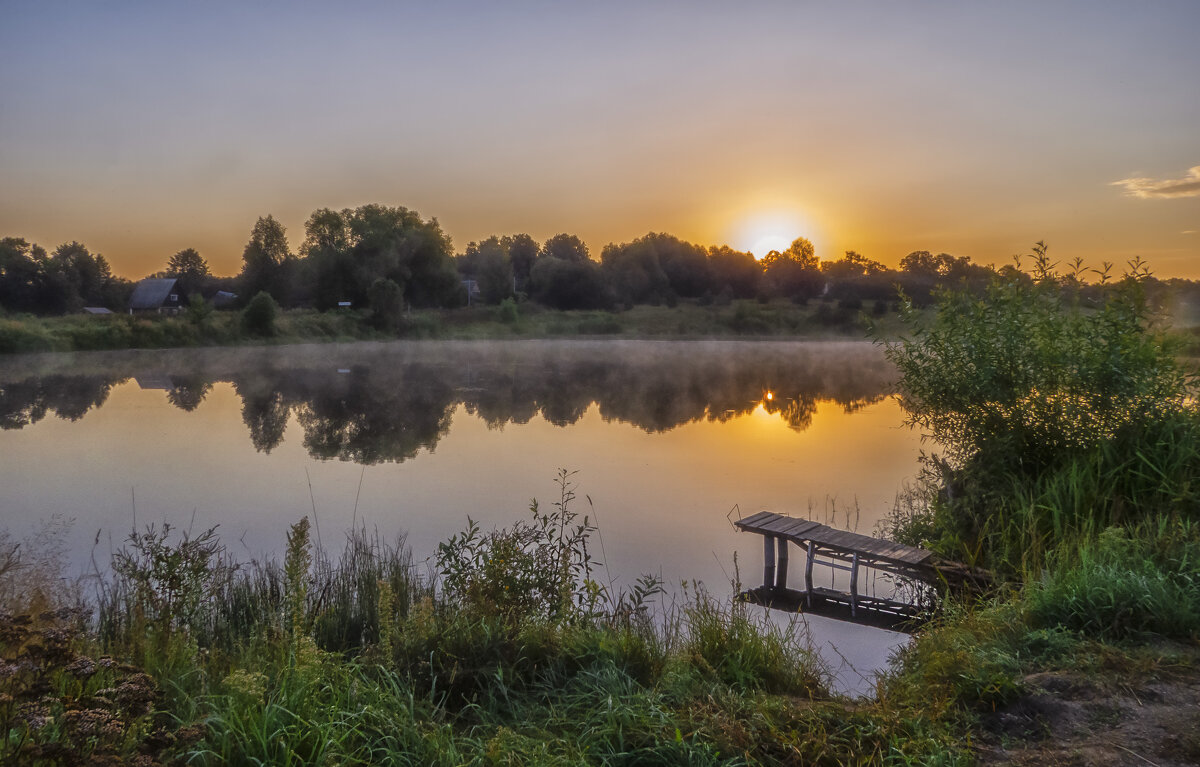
(346, 252)
(734, 273)
(565, 247)
(267, 263)
(190, 269)
(794, 273)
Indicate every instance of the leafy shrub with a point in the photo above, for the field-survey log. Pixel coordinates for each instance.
(163, 589)
(508, 312)
(17, 337)
(258, 318)
(198, 310)
(1038, 397)
(538, 569)
(100, 333)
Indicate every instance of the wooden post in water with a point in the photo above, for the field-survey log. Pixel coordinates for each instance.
(781, 571)
(808, 573)
(854, 586)
(768, 561)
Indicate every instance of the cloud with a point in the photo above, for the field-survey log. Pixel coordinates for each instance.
(1149, 188)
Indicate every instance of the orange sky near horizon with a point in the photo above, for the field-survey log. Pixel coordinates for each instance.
(879, 127)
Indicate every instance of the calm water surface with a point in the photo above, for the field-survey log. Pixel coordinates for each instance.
(670, 440)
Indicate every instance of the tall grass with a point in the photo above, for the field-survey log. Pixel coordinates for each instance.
(1124, 583)
(359, 658)
(356, 658)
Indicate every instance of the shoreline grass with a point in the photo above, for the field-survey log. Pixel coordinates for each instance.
(737, 319)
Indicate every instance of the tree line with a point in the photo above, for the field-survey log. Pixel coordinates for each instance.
(388, 259)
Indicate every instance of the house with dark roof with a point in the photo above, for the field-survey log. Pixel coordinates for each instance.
(161, 296)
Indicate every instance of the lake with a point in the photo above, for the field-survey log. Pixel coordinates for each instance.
(669, 441)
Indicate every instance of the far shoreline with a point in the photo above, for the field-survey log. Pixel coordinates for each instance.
(747, 320)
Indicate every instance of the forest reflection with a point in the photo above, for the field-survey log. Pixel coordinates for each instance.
(372, 403)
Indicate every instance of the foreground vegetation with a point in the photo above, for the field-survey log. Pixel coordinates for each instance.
(1069, 432)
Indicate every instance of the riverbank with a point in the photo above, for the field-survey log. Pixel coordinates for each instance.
(516, 656)
(737, 319)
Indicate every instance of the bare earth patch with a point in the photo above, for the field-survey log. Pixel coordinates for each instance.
(1109, 718)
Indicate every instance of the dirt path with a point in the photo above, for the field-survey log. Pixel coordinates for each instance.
(1116, 717)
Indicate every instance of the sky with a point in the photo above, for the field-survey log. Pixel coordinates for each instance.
(971, 128)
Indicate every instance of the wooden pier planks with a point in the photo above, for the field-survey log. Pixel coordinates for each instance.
(801, 531)
(854, 549)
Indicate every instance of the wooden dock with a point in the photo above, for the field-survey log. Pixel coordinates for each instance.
(853, 553)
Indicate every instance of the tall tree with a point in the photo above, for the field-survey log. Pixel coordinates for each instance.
(488, 264)
(266, 261)
(794, 273)
(190, 269)
(634, 271)
(79, 278)
(522, 253)
(856, 278)
(565, 247)
(563, 284)
(734, 273)
(328, 262)
(346, 252)
(23, 276)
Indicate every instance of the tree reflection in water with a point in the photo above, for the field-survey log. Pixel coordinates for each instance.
(25, 402)
(372, 403)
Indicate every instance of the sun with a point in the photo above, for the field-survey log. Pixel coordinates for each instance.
(768, 242)
(764, 231)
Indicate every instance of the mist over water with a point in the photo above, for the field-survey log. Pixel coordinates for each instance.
(670, 440)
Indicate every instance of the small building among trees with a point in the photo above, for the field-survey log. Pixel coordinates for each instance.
(158, 295)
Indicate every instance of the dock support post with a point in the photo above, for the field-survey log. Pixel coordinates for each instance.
(854, 586)
(808, 590)
(781, 567)
(768, 561)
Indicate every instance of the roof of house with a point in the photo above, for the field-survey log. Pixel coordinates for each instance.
(96, 310)
(151, 293)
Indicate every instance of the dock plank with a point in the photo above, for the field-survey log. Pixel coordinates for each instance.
(801, 531)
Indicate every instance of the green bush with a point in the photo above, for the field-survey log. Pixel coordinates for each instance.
(532, 570)
(258, 318)
(18, 337)
(508, 313)
(1039, 397)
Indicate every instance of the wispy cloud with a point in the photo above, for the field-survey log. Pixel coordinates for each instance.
(1151, 188)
